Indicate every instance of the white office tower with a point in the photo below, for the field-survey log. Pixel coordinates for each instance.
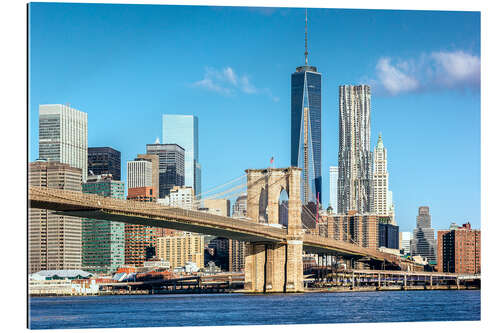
(139, 173)
(382, 197)
(334, 178)
(406, 238)
(62, 133)
(355, 156)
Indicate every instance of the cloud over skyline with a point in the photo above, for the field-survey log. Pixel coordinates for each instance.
(226, 82)
(438, 70)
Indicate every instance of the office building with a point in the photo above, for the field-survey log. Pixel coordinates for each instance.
(355, 157)
(359, 229)
(155, 171)
(103, 242)
(382, 198)
(104, 160)
(217, 206)
(228, 254)
(306, 128)
(424, 242)
(139, 173)
(240, 206)
(388, 236)
(405, 238)
(54, 241)
(181, 248)
(459, 250)
(62, 136)
(334, 178)
(180, 196)
(141, 241)
(171, 166)
(183, 131)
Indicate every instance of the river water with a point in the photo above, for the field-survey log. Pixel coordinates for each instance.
(244, 309)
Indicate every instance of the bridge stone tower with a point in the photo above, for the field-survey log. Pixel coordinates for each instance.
(274, 267)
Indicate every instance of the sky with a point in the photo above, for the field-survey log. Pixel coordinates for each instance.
(126, 65)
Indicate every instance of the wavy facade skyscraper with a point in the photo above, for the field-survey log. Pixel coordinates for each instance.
(306, 128)
(355, 158)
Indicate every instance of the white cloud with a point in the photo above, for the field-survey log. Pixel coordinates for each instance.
(393, 79)
(457, 68)
(227, 82)
(443, 70)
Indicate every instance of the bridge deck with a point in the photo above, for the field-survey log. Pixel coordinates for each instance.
(152, 214)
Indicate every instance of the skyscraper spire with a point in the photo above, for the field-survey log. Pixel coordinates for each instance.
(305, 53)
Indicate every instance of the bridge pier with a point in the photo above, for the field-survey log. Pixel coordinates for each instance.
(274, 267)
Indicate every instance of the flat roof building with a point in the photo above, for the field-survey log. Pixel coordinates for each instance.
(54, 241)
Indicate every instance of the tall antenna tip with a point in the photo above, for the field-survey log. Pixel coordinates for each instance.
(306, 53)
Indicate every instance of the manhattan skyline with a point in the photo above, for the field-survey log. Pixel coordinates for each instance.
(126, 68)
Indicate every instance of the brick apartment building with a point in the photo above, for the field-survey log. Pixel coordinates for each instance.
(459, 250)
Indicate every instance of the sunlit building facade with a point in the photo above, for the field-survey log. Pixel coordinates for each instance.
(355, 157)
(54, 241)
(183, 131)
(62, 134)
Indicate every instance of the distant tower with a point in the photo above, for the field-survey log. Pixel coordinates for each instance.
(306, 127)
(355, 157)
(183, 130)
(382, 197)
(334, 177)
(424, 243)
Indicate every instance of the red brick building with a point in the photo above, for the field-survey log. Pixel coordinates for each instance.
(459, 250)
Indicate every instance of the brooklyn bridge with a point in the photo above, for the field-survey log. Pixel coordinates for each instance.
(273, 261)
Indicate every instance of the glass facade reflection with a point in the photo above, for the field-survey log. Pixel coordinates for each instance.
(183, 130)
(306, 130)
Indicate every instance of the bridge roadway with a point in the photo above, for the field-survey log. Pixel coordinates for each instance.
(85, 205)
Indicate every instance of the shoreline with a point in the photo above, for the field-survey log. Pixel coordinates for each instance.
(241, 291)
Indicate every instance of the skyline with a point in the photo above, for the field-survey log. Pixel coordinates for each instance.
(221, 85)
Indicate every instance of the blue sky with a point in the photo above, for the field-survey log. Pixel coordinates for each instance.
(126, 65)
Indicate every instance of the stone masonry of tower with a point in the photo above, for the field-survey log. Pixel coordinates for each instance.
(275, 267)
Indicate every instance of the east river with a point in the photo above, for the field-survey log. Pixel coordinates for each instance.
(244, 309)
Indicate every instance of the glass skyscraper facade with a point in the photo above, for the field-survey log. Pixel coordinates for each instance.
(103, 242)
(171, 165)
(306, 130)
(63, 136)
(104, 160)
(183, 130)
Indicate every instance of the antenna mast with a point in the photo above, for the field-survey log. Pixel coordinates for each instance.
(305, 53)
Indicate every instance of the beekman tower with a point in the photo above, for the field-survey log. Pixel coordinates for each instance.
(306, 128)
(355, 158)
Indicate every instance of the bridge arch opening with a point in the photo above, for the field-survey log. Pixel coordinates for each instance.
(263, 218)
(283, 208)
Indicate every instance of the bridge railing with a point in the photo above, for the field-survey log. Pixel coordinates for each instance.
(151, 209)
